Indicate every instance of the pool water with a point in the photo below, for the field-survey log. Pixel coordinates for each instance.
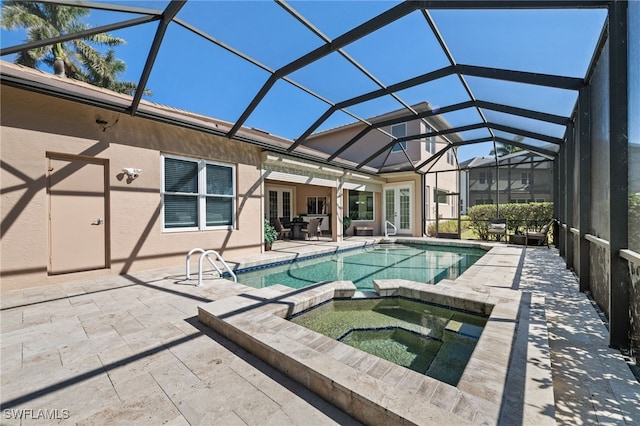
(422, 263)
(429, 339)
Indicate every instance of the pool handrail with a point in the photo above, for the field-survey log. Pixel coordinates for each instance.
(203, 254)
(386, 229)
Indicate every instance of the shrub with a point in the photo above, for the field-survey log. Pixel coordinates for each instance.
(520, 217)
(270, 233)
(634, 222)
(479, 217)
(346, 222)
(449, 226)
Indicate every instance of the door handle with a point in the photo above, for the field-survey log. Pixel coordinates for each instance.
(99, 221)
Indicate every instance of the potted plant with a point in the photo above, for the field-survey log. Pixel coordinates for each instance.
(270, 235)
(346, 223)
(297, 219)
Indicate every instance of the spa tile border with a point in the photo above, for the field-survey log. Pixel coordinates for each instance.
(373, 390)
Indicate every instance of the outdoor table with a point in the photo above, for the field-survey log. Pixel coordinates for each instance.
(296, 230)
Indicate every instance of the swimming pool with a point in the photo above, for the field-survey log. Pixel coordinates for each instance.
(415, 262)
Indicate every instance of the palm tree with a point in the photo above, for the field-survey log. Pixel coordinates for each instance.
(506, 149)
(107, 78)
(80, 59)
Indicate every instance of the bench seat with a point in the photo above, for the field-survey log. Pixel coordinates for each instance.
(363, 230)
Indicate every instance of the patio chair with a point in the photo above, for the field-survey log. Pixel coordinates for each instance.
(285, 221)
(498, 227)
(282, 231)
(541, 237)
(313, 229)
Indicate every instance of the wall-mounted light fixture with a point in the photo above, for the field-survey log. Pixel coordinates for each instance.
(131, 172)
(104, 123)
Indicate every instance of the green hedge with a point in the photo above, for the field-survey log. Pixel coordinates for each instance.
(634, 221)
(449, 226)
(520, 217)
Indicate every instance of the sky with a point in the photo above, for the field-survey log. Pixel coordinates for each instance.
(195, 75)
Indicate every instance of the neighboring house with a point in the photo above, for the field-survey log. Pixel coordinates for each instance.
(71, 209)
(522, 177)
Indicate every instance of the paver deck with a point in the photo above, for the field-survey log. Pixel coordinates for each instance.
(130, 350)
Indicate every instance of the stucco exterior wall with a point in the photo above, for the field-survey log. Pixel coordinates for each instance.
(33, 125)
(599, 267)
(374, 140)
(304, 191)
(330, 142)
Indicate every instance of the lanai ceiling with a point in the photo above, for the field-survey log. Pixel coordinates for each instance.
(496, 71)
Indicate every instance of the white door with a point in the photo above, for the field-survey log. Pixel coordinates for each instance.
(398, 208)
(279, 204)
(77, 215)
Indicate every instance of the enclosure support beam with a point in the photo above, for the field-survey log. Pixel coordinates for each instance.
(562, 193)
(584, 148)
(619, 317)
(570, 182)
(556, 200)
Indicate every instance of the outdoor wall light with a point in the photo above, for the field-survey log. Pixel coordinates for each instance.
(102, 123)
(131, 172)
(105, 124)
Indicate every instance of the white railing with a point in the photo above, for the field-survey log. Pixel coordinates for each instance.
(386, 229)
(205, 254)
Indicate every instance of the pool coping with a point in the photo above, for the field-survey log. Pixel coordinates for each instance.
(371, 389)
(508, 383)
(277, 258)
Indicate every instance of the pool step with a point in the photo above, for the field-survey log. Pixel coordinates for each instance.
(365, 294)
(464, 329)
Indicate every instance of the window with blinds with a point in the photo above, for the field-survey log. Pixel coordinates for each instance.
(399, 131)
(197, 194)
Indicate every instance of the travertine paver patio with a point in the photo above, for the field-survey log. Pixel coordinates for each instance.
(129, 349)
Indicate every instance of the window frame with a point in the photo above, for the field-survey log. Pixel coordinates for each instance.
(373, 205)
(429, 142)
(450, 157)
(395, 147)
(315, 202)
(485, 178)
(201, 195)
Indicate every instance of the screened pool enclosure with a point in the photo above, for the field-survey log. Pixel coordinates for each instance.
(558, 79)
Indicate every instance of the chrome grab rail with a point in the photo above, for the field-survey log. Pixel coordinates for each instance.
(386, 229)
(203, 254)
